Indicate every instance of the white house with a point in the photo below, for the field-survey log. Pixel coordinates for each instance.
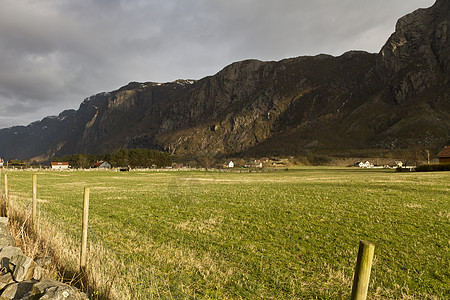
(1, 162)
(102, 165)
(366, 164)
(60, 165)
(230, 164)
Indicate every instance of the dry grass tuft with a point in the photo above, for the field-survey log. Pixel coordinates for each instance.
(50, 240)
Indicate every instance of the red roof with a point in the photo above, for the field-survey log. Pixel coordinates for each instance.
(60, 163)
(98, 164)
(445, 152)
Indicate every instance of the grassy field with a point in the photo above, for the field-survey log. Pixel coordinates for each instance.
(275, 235)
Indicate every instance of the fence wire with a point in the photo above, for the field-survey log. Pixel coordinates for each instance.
(164, 290)
(123, 277)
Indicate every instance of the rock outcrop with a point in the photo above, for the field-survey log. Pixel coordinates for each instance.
(23, 278)
(416, 56)
(396, 99)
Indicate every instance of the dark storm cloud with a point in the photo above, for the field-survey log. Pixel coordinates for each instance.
(55, 53)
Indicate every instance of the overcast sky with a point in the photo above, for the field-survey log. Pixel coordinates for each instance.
(55, 53)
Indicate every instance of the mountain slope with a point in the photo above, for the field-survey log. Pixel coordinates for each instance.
(395, 99)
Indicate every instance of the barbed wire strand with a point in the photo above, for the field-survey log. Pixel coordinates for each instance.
(120, 256)
(138, 265)
(48, 215)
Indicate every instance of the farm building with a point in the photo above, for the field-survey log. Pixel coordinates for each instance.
(101, 165)
(1, 162)
(366, 164)
(230, 164)
(253, 164)
(444, 155)
(59, 165)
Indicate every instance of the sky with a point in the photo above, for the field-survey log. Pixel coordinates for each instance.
(56, 53)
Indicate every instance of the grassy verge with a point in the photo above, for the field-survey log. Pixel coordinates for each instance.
(55, 241)
(280, 235)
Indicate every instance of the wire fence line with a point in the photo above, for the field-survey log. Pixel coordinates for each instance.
(171, 289)
(120, 272)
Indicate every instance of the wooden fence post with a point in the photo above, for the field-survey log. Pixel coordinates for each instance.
(6, 195)
(362, 270)
(6, 185)
(33, 214)
(83, 255)
(1, 190)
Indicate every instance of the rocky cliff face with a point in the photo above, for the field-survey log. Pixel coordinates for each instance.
(416, 56)
(397, 98)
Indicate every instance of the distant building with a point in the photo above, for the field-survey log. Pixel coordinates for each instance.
(230, 164)
(101, 165)
(444, 155)
(15, 163)
(1, 162)
(60, 165)
(366, 164)
(253, 164)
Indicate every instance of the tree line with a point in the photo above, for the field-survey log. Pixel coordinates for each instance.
(135, 158)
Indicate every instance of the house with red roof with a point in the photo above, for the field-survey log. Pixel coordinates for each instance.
(101, 165)
(444, 155)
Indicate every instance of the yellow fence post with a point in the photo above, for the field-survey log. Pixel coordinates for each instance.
(83, 255)
(362, 270)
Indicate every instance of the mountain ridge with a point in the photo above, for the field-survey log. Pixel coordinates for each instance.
(395, 99)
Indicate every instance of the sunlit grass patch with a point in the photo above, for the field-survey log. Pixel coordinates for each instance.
(287, 234)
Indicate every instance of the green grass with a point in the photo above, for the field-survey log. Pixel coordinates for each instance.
(276, 235)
